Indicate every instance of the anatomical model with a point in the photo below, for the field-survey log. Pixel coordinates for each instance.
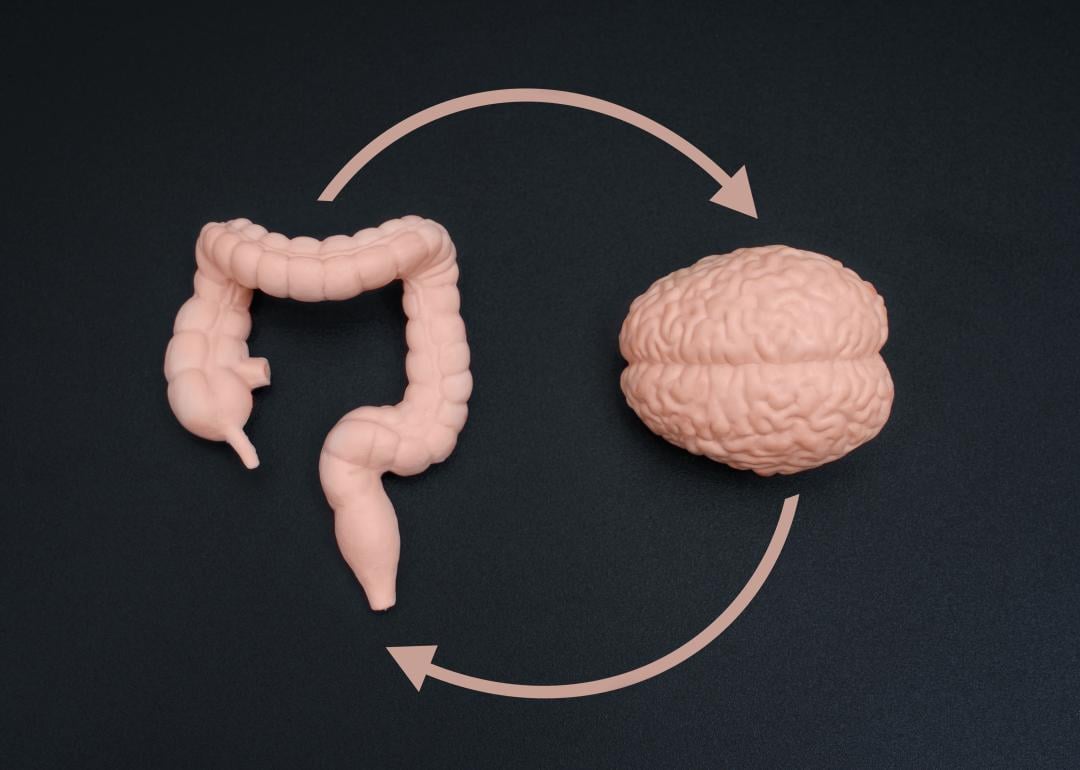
(211, 376)
(765, 359)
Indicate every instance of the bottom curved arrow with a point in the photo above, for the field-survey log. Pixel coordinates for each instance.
(415, 660)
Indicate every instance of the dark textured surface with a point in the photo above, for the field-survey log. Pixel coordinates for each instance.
(162, 607)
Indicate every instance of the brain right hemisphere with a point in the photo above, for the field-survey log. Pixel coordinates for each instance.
(764, 359)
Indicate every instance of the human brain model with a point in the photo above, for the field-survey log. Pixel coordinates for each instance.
(764, 359)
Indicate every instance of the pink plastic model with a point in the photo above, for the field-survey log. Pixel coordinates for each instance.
(765, 359)
(211, 376)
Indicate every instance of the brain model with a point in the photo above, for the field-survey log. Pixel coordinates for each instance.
(765, 359)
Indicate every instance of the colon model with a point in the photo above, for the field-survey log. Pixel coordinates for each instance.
(211, 375)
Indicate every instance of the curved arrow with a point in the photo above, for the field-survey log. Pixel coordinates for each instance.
(734, 189)
(415, 661)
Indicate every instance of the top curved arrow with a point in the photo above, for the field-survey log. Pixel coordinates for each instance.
(734, 190)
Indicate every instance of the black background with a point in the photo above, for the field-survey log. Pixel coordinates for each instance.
(162, 606)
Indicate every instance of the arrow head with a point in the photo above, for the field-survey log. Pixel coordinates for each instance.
(736, 195)
(415, 661)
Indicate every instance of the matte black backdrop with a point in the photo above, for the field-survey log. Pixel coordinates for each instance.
(161, 606)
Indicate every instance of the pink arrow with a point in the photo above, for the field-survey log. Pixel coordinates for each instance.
(416, 661)
(734, 190)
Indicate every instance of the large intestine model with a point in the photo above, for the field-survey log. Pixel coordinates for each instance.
(211, 375)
